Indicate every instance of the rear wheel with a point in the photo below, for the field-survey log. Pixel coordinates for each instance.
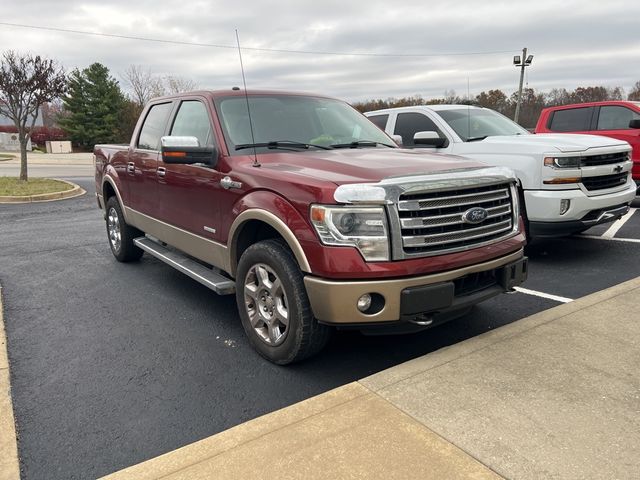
(274, 307)
(120, 234)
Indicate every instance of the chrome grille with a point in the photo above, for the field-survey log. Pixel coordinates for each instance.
(431, 222)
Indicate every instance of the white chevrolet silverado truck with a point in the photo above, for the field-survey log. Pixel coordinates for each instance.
(568, 183)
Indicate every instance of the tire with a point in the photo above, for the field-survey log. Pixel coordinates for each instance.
(120, 234)
(274, 307)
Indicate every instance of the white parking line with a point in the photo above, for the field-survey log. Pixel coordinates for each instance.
(598, 237)
(617, 225)
(535, 293)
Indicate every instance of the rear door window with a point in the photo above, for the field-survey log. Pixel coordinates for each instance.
(615, 117)
(407, 124)
(154, 126)
(571, 119)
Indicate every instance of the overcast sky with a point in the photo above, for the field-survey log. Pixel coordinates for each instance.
(574, 43)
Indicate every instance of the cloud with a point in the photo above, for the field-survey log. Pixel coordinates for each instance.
(574, 43)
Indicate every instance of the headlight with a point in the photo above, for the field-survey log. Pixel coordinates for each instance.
(562, 162)
(362, 227)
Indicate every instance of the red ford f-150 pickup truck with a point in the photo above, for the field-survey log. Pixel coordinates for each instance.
(310, 214)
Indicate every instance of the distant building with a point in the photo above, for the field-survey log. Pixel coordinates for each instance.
(7, 122)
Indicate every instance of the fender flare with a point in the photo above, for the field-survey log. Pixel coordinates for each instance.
(273, 221)
(108, 179)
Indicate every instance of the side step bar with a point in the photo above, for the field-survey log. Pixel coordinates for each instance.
(209, 278)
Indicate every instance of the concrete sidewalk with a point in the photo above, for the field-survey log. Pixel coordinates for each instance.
(33, 158)
(555, 395)
(51, 165)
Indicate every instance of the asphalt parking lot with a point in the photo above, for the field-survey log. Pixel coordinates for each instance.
(112, 364)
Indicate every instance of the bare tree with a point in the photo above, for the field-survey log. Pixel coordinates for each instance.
(26, 82)
(143, 84)
(635, 92)
(173, 84)
(558, 96)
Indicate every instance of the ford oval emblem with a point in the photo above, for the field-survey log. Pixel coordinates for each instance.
(475, 215)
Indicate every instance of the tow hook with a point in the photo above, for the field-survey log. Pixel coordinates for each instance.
(422, 319)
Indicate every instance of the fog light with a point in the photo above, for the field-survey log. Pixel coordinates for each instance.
(364, 302)
(564, 205)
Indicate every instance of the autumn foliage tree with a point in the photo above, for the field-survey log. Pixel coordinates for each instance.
(26, 83)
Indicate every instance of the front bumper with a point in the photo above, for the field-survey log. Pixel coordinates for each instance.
(561, 229)
(415, 299)
(543, 210)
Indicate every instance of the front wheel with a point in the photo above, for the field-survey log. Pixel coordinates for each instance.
(120, 234)
(274, 307)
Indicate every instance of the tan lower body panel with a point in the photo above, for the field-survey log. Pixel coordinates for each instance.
(335, 301)
(198, 247)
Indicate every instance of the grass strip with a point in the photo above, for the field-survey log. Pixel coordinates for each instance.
(13, 186)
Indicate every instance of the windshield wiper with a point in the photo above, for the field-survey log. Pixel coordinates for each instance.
(361, 143)
(281, 144)
(476, 139)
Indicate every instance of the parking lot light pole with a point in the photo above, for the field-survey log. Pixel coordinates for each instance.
(521, 62)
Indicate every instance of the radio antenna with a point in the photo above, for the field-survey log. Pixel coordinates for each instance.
(468, 110)
(246, 96)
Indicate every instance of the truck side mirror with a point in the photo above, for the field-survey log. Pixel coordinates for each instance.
(431, 139)
(187, 151)
(397, 139)
(635, 123)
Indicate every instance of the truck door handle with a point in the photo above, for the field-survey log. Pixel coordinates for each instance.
(162, 171)
(131, 167)
(228, 183)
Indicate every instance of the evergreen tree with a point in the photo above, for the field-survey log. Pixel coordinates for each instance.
(93, 106)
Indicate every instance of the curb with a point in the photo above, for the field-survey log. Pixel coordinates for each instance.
(9, 464)
(75, 191)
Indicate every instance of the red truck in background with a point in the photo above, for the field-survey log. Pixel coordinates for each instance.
(616, 119)
(310, 214)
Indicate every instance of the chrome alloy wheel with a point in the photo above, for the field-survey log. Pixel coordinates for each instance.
(113, 229)
(266, 304)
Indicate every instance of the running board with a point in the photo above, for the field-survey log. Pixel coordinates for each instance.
(209, 278)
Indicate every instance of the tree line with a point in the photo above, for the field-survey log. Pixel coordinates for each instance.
(532, 101)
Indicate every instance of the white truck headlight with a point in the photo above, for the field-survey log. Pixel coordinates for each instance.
(562, 162)
(362, 227)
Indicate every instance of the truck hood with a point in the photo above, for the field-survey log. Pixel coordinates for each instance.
(362, 165)
(553, 142)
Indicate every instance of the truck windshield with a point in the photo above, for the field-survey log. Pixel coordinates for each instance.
(477, 124)
(293, 122)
